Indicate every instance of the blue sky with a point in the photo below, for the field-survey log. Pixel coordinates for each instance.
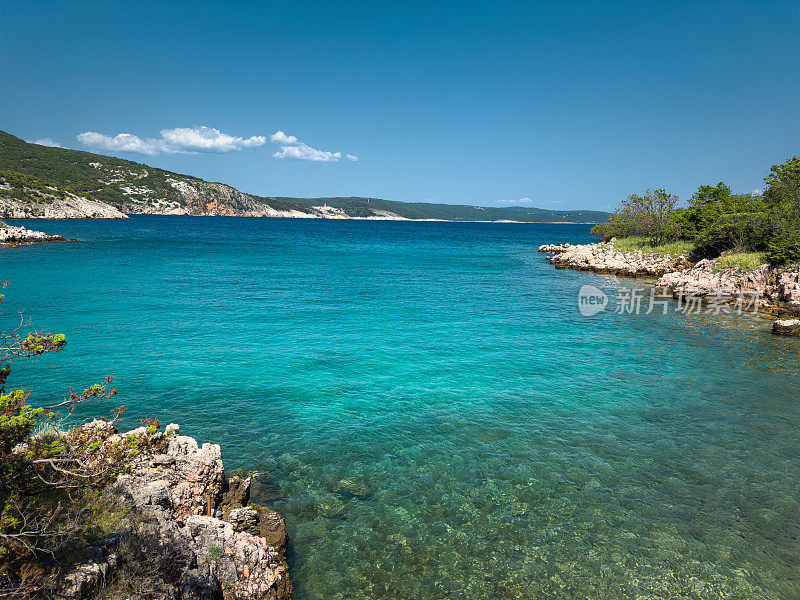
(555, 105)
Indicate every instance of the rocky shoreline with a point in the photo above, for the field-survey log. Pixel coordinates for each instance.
(604, 258)
(194, 524)
(14, 236)
(776, 289)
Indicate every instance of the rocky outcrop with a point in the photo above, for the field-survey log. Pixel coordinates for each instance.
(786, 327)
(187, 479)
(184, 196)
(253, 518)
(605, 258)
(192, 523)
(554, 248)
(773, 287)
(101, 560)
(12, 235)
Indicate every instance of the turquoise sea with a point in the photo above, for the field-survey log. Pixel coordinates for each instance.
(426, 406)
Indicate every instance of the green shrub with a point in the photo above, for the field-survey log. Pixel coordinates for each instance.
(784, 251)
(674, 248)
(215, 552)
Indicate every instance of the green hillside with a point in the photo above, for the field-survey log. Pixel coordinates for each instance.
(73, 170)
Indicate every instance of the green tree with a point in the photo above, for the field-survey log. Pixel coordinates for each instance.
(782, 223)
(783, 183)
(647, 215)
(719, 220)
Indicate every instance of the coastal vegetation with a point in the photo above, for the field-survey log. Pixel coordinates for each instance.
(633, 243)
(50, 474)
(23, 196)
(739, 228)
(743, 261)
(14, 184)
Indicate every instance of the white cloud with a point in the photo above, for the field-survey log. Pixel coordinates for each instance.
(291, 147)
(757, 192)
(281, 138)
(122, 142)
(303, 152)
(516, 202)
(181, 140)
(47, 142)
(206, 139)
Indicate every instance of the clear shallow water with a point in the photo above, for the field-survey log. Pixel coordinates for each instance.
(429, 410)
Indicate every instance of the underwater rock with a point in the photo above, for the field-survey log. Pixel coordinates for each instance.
(786, 327)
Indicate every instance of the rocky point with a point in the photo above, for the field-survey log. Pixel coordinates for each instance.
(9, 234)
(191, 517)
(776, 289)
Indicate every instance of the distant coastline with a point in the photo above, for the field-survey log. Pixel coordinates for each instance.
(309, 218)
(46, 182)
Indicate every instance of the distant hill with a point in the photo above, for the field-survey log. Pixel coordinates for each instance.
(358, 207)
(135, 188)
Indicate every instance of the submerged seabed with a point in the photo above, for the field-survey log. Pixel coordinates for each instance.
(430, 411)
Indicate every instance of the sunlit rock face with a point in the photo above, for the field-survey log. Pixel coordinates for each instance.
(176, 498)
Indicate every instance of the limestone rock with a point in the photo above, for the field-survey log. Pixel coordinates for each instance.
(244, 563)
(194, 555)
(244, 519)
(235, 494)
(100, 425)
(99, 562)
(788, 288)
(10, 234)
(68, 206)
(554, 248)
(190, 476)
(152, 494)
(773, 287)
(786, 327)
(272, 527)
(254, 518)
(605, 258)
(765, 287)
